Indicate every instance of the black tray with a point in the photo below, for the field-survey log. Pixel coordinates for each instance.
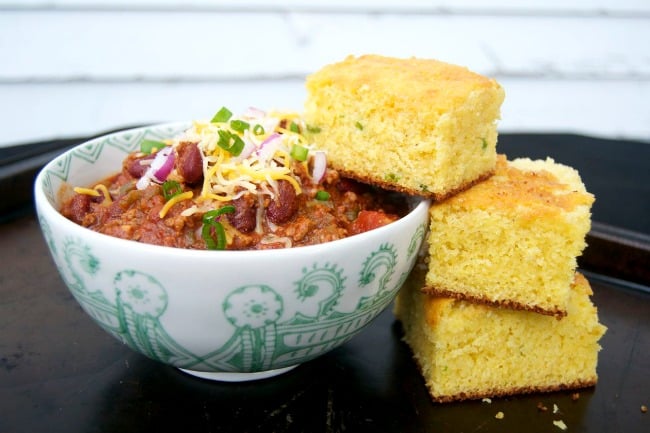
(61, 372)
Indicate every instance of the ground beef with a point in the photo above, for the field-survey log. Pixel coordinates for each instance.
(289, 219)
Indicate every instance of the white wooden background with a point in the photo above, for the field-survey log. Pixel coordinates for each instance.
(77, 67)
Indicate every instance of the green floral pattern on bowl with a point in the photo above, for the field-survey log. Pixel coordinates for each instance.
(219, 313)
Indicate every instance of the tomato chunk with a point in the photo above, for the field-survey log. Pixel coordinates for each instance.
(370, 219)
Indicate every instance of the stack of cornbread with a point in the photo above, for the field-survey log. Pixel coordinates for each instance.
(495, 307)
(498, 308)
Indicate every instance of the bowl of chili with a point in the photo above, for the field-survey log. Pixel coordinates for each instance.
(200, 287)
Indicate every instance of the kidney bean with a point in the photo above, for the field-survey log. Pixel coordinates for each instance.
(77, 207)
(135, 167)
(190, 162)
(244, 217)
(285, 204)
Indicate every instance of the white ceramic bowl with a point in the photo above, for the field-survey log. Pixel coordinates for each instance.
(225, 315)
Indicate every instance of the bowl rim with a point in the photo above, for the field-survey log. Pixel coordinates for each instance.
(45, 209)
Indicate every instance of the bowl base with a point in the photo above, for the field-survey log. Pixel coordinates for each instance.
(237, 377)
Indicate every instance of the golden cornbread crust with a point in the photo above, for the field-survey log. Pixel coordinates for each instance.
(418, 126)
(513, 239)
(466, 351)
(484, 300)
(405, 190)
(534, 188)
(493, 393)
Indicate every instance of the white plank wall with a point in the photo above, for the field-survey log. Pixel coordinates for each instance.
(77, 67)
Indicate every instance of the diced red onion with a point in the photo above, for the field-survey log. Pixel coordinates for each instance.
(320, 165)
(269, 139)
(162, 164)
(254, 113)
(159, 169)
(269, 123)
(249, 147)
(269, 146)
(143, 182)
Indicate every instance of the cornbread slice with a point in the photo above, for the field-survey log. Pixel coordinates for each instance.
(513, 239)
(472, 351)
(413, 125)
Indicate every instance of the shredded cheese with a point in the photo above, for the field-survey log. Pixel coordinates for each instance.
(107, 195)
(172, 201)
(229, 230)
(266, 157)
(86, 191)
(96, 191)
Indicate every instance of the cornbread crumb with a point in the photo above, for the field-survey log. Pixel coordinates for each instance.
(575, 396)
(473, 351)
(487, 400)
(644, 408)
(418, 126)
(541, 407)
(555, 408)
(512, 240)
(560, 424)
(499, 415)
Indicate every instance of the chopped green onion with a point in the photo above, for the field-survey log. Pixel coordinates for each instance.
(359, 126)
(258, 129)
(151, 146)
(171, 188)
(322, 195)
(239, 125)
(222, 116)
(313, 129)
(213, 232)
(294, 127)
(237, 146)
(215, 213)
(225, 138)
(214, 236)
(484, 143)
(299, 153)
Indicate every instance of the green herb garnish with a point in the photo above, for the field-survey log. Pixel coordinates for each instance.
(213, 232)
(258, 129)
(322, 195)
(222, 116)
(294, 128)
(313, 129)
(358, 125)
(391, 177)
(214, 236)
(239, 125)
(171, 188)
(230, 142)
(151, 146)
(299, 153)
(215, 213)
(484, 143)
